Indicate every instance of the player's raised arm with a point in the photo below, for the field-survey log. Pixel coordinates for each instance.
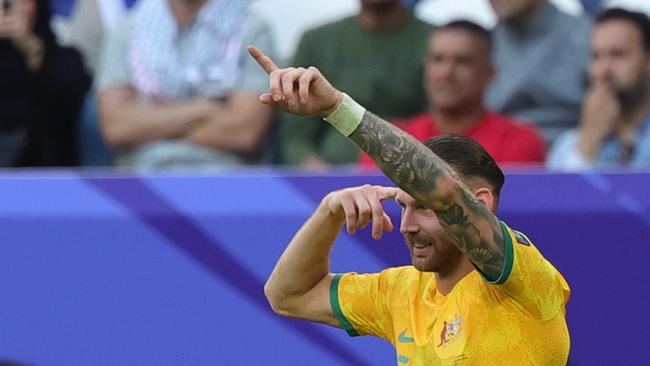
(407, 162)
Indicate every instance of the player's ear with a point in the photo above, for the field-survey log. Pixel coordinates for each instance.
(486, 197)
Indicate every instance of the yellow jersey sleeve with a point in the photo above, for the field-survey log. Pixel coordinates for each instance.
(537, 288)
(362, 302)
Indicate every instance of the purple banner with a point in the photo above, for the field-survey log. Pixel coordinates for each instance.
(169, 269)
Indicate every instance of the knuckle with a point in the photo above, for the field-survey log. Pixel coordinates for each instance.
(305, 77)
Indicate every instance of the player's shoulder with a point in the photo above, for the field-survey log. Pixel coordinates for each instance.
(401, 276)
(406, 277)
(516, 236)
(521, 238)
(401, 271)
(390, 272)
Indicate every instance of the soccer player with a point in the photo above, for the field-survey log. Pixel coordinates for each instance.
(478, 292)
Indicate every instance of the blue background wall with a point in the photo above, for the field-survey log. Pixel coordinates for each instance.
(168, 270)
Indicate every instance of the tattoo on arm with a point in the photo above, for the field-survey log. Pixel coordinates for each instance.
(486, 254)
(409, 164)
(420, 172)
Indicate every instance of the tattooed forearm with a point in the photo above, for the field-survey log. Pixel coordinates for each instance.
(408, 163)
(487, 256)
(426, 177)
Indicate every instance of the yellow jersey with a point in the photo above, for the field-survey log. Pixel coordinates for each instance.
(518, 319)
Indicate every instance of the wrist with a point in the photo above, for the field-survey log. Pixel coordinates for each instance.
(347, 115)
(339, 100)
(325, 211)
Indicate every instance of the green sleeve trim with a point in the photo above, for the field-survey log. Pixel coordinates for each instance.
(508, 258)
(336, 307)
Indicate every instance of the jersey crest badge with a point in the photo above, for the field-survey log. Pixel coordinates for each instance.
(521, 238)
(449, 336)
(450, 330)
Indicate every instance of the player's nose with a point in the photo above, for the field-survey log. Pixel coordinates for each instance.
(408, 224)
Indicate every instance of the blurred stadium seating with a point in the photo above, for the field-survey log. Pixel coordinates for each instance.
(290, 18)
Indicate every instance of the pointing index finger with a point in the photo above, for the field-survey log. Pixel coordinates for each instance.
(263, 60)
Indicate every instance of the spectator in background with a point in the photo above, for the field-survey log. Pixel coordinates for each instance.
(42, 86)
(614, 128)
(176, 88)
(457, 72)
(376, 56)
(541, 56)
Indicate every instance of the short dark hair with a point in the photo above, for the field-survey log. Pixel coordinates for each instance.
(470, 27)
(468, 158)
(640, 20)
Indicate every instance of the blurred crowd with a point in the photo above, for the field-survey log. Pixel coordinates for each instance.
(168, 84)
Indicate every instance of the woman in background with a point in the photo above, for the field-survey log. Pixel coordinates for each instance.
(42, 86)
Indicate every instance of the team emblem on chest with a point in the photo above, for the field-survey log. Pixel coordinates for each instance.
(448, 336)
(450, 330)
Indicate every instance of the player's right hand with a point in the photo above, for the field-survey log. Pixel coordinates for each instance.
(300, 91)
(360, 206)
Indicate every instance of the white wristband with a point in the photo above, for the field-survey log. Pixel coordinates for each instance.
(347, 116)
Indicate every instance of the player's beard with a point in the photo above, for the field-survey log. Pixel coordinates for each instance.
(443, 258)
